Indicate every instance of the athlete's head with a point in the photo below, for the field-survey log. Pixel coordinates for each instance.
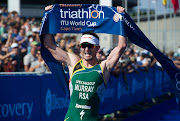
(89, 44)
(90, 37)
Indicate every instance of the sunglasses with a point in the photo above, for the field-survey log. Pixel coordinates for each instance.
(87, 45)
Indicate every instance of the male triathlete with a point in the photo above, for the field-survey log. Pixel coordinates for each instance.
(88, 76)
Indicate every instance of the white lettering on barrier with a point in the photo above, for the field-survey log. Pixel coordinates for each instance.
(55, 103)
(19, 109)
(58, 103)
(177, 77)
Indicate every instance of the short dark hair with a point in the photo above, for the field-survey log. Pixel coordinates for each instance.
(91, 33)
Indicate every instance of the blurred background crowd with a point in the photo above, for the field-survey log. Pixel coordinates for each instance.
(20, 48)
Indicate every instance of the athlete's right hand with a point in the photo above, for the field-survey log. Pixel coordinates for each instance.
(49, 7)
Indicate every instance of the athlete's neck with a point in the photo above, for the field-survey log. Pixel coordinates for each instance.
(89, 63)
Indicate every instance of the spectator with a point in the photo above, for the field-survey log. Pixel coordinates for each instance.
(58, 37)
(14, 32)
(142, 62)
(15, 58)
(29, 58)
(35, 44)
(33, 21)
(28, 30)
(27, 24)
(100, 55)
(178, 50)
(9, 40)
(126, 59)
(7, 55)
(117, 69)
(22, 41)
(4, 48)
(35, 31)
(146, 52)
(38, 65)
(106, 51)
(171, 55)
(153, 60)
(3, 28)
(29, 42)
(3, 58)
(14, 14)
(62, 44)
(7, 66)
(71, 44)
(32, 42)
(4, 12)
(177, 62)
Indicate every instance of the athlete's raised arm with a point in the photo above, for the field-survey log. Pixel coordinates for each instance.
(60, 55)
(115, 54)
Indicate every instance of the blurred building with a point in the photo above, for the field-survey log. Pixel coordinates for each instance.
(164, 31)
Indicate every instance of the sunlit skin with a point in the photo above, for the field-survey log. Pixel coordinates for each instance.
(89, 54)
(89, 60)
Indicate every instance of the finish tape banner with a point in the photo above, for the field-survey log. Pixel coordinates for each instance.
(79, 18)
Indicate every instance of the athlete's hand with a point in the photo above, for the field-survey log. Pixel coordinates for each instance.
(49, 7)
(120, 9)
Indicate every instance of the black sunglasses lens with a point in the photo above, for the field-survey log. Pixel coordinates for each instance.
(87, 45)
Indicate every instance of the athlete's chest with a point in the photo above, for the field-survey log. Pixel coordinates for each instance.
(87, 77)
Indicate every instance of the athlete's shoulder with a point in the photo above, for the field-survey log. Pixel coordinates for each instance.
(78, 66)
(103, 64)
(73, 59)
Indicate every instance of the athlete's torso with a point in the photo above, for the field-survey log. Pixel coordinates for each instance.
(86, 88)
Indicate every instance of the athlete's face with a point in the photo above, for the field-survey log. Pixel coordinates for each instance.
(89, 51)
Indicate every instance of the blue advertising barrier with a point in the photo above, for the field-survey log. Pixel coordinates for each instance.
(54, 101)
(142, 86)
(149, 77)
(40, 98)
(20, 98)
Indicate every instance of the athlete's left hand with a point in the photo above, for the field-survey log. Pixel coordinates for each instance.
(120, 9)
